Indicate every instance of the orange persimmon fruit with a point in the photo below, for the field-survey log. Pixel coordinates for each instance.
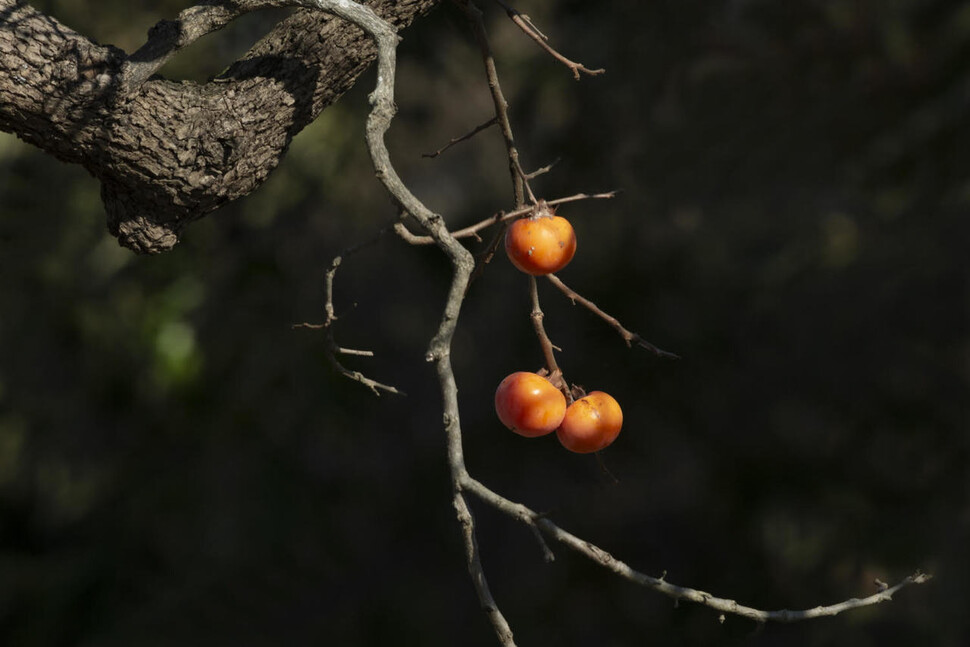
(529, 404)
(591, 423)
(540, 244)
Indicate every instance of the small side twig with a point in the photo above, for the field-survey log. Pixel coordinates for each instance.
(547, 554)
(503, 216)
(333, 348)
(525, 23)
(409, 237)
(457, 140)
(485, 257)
(629, 337)
(474, 15)
(541, 171)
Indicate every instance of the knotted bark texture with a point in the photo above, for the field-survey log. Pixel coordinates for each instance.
(168, 153)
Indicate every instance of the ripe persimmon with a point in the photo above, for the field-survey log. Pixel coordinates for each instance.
(591, 423)
(540, 244)
(529, 404)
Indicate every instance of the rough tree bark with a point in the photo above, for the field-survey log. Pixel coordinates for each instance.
(167, 153)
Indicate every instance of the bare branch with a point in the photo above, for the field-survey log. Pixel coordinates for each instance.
(457, 140)
(474, 562)
(502, 216)
(661, 585)
(519, 181)
(167, 37)
(629, 337)
(541, 171)
(439, 350)
(526, 25)
(548, 348)
(334, 349)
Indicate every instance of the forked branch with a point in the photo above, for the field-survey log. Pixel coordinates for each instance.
(335, 350)
(382, 101)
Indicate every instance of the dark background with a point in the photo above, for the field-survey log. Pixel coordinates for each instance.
(180, 467)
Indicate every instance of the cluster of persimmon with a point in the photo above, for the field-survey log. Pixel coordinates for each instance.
(528, 403)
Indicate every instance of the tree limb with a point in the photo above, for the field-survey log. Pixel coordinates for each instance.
(169, 153)
(660, 584)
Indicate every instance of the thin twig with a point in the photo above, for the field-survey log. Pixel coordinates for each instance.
(333, 348)
(485, 257)
(548, 348)
(629, 337)
(541, 171)
(519, 182)
(472, 230)
(547, 553)
(520, 179)
(457, 140)
(526, 25)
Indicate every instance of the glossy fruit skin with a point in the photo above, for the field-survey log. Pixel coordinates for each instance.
(529, 404)
(540, 245)
(591, 423)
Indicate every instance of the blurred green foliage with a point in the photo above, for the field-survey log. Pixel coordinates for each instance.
(179, 466)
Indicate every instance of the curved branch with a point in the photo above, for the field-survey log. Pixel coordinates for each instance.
(439, 350)
(660, 584)
(167, 37)
(333, 348)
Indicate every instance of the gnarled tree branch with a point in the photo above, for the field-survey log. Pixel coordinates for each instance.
(168, 153)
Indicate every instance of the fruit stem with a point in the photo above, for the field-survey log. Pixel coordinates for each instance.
(548, 349)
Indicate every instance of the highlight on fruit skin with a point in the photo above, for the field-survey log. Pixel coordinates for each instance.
(591, 423)
(540, 244)
(529, 404)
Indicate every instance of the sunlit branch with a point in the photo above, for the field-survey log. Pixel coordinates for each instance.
(167, 37)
